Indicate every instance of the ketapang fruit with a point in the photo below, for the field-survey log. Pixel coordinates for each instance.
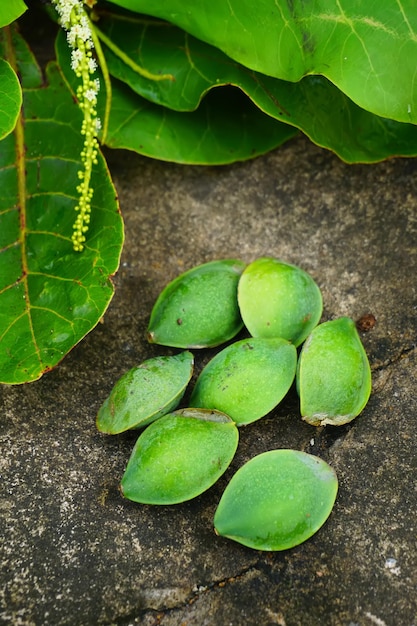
(179, 456)
(198, 309)
(333, 374)
(277, 500)
(145, 393)
(247, 379)
(277, 299)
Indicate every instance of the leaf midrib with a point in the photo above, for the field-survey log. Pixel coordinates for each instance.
(21, 189)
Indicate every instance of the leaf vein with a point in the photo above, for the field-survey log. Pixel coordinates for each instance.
(405, 18)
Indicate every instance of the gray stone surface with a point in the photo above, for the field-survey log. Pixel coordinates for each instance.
(73, 552)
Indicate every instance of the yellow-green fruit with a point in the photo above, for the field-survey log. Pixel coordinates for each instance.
(199, 308)
(277, 299)
(145, 393)
(247, 379)
(333, 374)
(179, 456)
(277, 500)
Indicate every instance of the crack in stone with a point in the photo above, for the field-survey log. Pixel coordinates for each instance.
(193, 596)
(200, 589)
(403, 353)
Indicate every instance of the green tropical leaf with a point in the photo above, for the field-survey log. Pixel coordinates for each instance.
(10, 10)
(29, 71)
(313, 105)
(50, 296)
(10, 98)
(226, 127)
(368, 50)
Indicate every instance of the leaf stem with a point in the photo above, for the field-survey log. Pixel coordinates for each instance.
(21, 186)
(106, 78)
(128, 61)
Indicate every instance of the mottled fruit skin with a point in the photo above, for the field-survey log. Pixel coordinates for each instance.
(198, 309)
(333, 374)
(145, 393)
(277, 299)
(179, 456)
(277, 500)
(247, 379)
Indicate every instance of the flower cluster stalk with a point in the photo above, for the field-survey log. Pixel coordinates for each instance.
(74, 20)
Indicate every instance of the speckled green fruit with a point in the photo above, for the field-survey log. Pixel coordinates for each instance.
(179, 456)
(277, 500)
(247, 379)
(199, 308)
(145, 393)
(277, 299)
(333, 374)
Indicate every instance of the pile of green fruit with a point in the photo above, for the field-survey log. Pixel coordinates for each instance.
(279, 498)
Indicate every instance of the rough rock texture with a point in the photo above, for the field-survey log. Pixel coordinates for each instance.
(73, 552)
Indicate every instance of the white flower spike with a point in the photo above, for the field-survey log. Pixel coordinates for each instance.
(74, 20)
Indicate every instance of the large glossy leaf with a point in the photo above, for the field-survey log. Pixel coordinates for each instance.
(314, 105)
(10, 10)
(50, 296)
(368, 50)
(10, 98)
(226, 127)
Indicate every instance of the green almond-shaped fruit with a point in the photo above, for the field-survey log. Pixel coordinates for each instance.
(145, 393)
(333, 374)
(277, 500)
(247, 379)
(179, 456)
(198, 309)
(277, 299)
